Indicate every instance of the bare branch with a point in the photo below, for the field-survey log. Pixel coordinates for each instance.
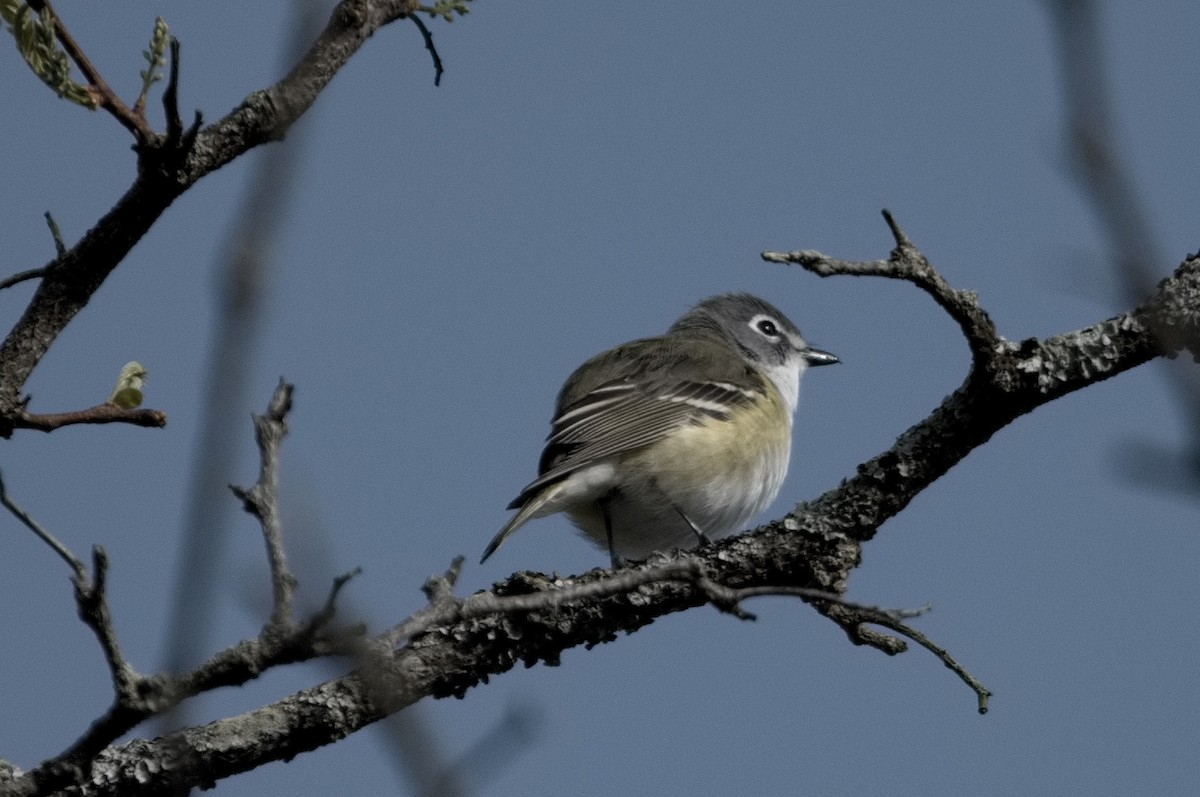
(1006, 381)
(853, 620)
(101, 413)
(262, 499)
(91, 598)
(454, 643)
(437, 59)
(73, 561)
(22, 276)
(60, 248)
(907, 262)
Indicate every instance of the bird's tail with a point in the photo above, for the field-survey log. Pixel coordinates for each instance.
(526, 513)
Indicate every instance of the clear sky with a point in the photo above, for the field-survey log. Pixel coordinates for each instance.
(584, 173)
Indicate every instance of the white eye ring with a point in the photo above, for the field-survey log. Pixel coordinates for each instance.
(765, 326)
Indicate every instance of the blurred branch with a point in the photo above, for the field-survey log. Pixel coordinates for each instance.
(242, 288)
(283, 640)
(1107, 183)
(242, 284)
(1105, 180)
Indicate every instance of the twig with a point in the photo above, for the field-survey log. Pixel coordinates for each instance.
(326, 614)
(22, 276)
(91, 598)
(282, 641)
(101, 413)
(428, 37)
(108, 99)
(170, 98)
(20, 514)
(544, 593)
(92, 604)
(906, 262)
(60, 248)
(852, 618)
(261, 500)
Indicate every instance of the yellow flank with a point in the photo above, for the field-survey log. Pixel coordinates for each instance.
(713, 466)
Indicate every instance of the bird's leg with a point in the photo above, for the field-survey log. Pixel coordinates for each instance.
(701, 538)
(608, 533)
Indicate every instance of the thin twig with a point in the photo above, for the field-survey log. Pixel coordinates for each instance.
(22, 276)
(851, 619)
(326, 613)
(107, 98)
(60, 248)
(92, 604)
(437, 59)
(20, 514)
(170, 98)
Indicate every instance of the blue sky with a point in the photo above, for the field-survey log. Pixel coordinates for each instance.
(585, 173)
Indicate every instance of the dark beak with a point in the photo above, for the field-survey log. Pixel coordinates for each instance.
(818, 357)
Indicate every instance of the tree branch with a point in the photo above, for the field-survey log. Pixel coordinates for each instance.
(166, 170)
(907, 263)
(455, 643)
(101, 413)
(282, 640)
(261, 501)
(1006, 381)
(105, 97)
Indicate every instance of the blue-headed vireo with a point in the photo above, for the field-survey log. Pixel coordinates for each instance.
(673, 441)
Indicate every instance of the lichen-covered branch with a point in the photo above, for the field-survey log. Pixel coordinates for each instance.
(1006, 381)
(453, 644)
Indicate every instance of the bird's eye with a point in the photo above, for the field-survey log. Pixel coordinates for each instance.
(767, 327)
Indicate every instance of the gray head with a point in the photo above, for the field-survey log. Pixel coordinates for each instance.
(758, 330)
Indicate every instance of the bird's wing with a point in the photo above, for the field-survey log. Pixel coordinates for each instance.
(634, 410)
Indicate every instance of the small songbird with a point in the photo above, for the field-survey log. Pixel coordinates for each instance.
(674, 441)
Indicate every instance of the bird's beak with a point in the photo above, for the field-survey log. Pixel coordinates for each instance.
(818, 357)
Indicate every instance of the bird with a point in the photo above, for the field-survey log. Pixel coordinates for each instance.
(677, 440)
